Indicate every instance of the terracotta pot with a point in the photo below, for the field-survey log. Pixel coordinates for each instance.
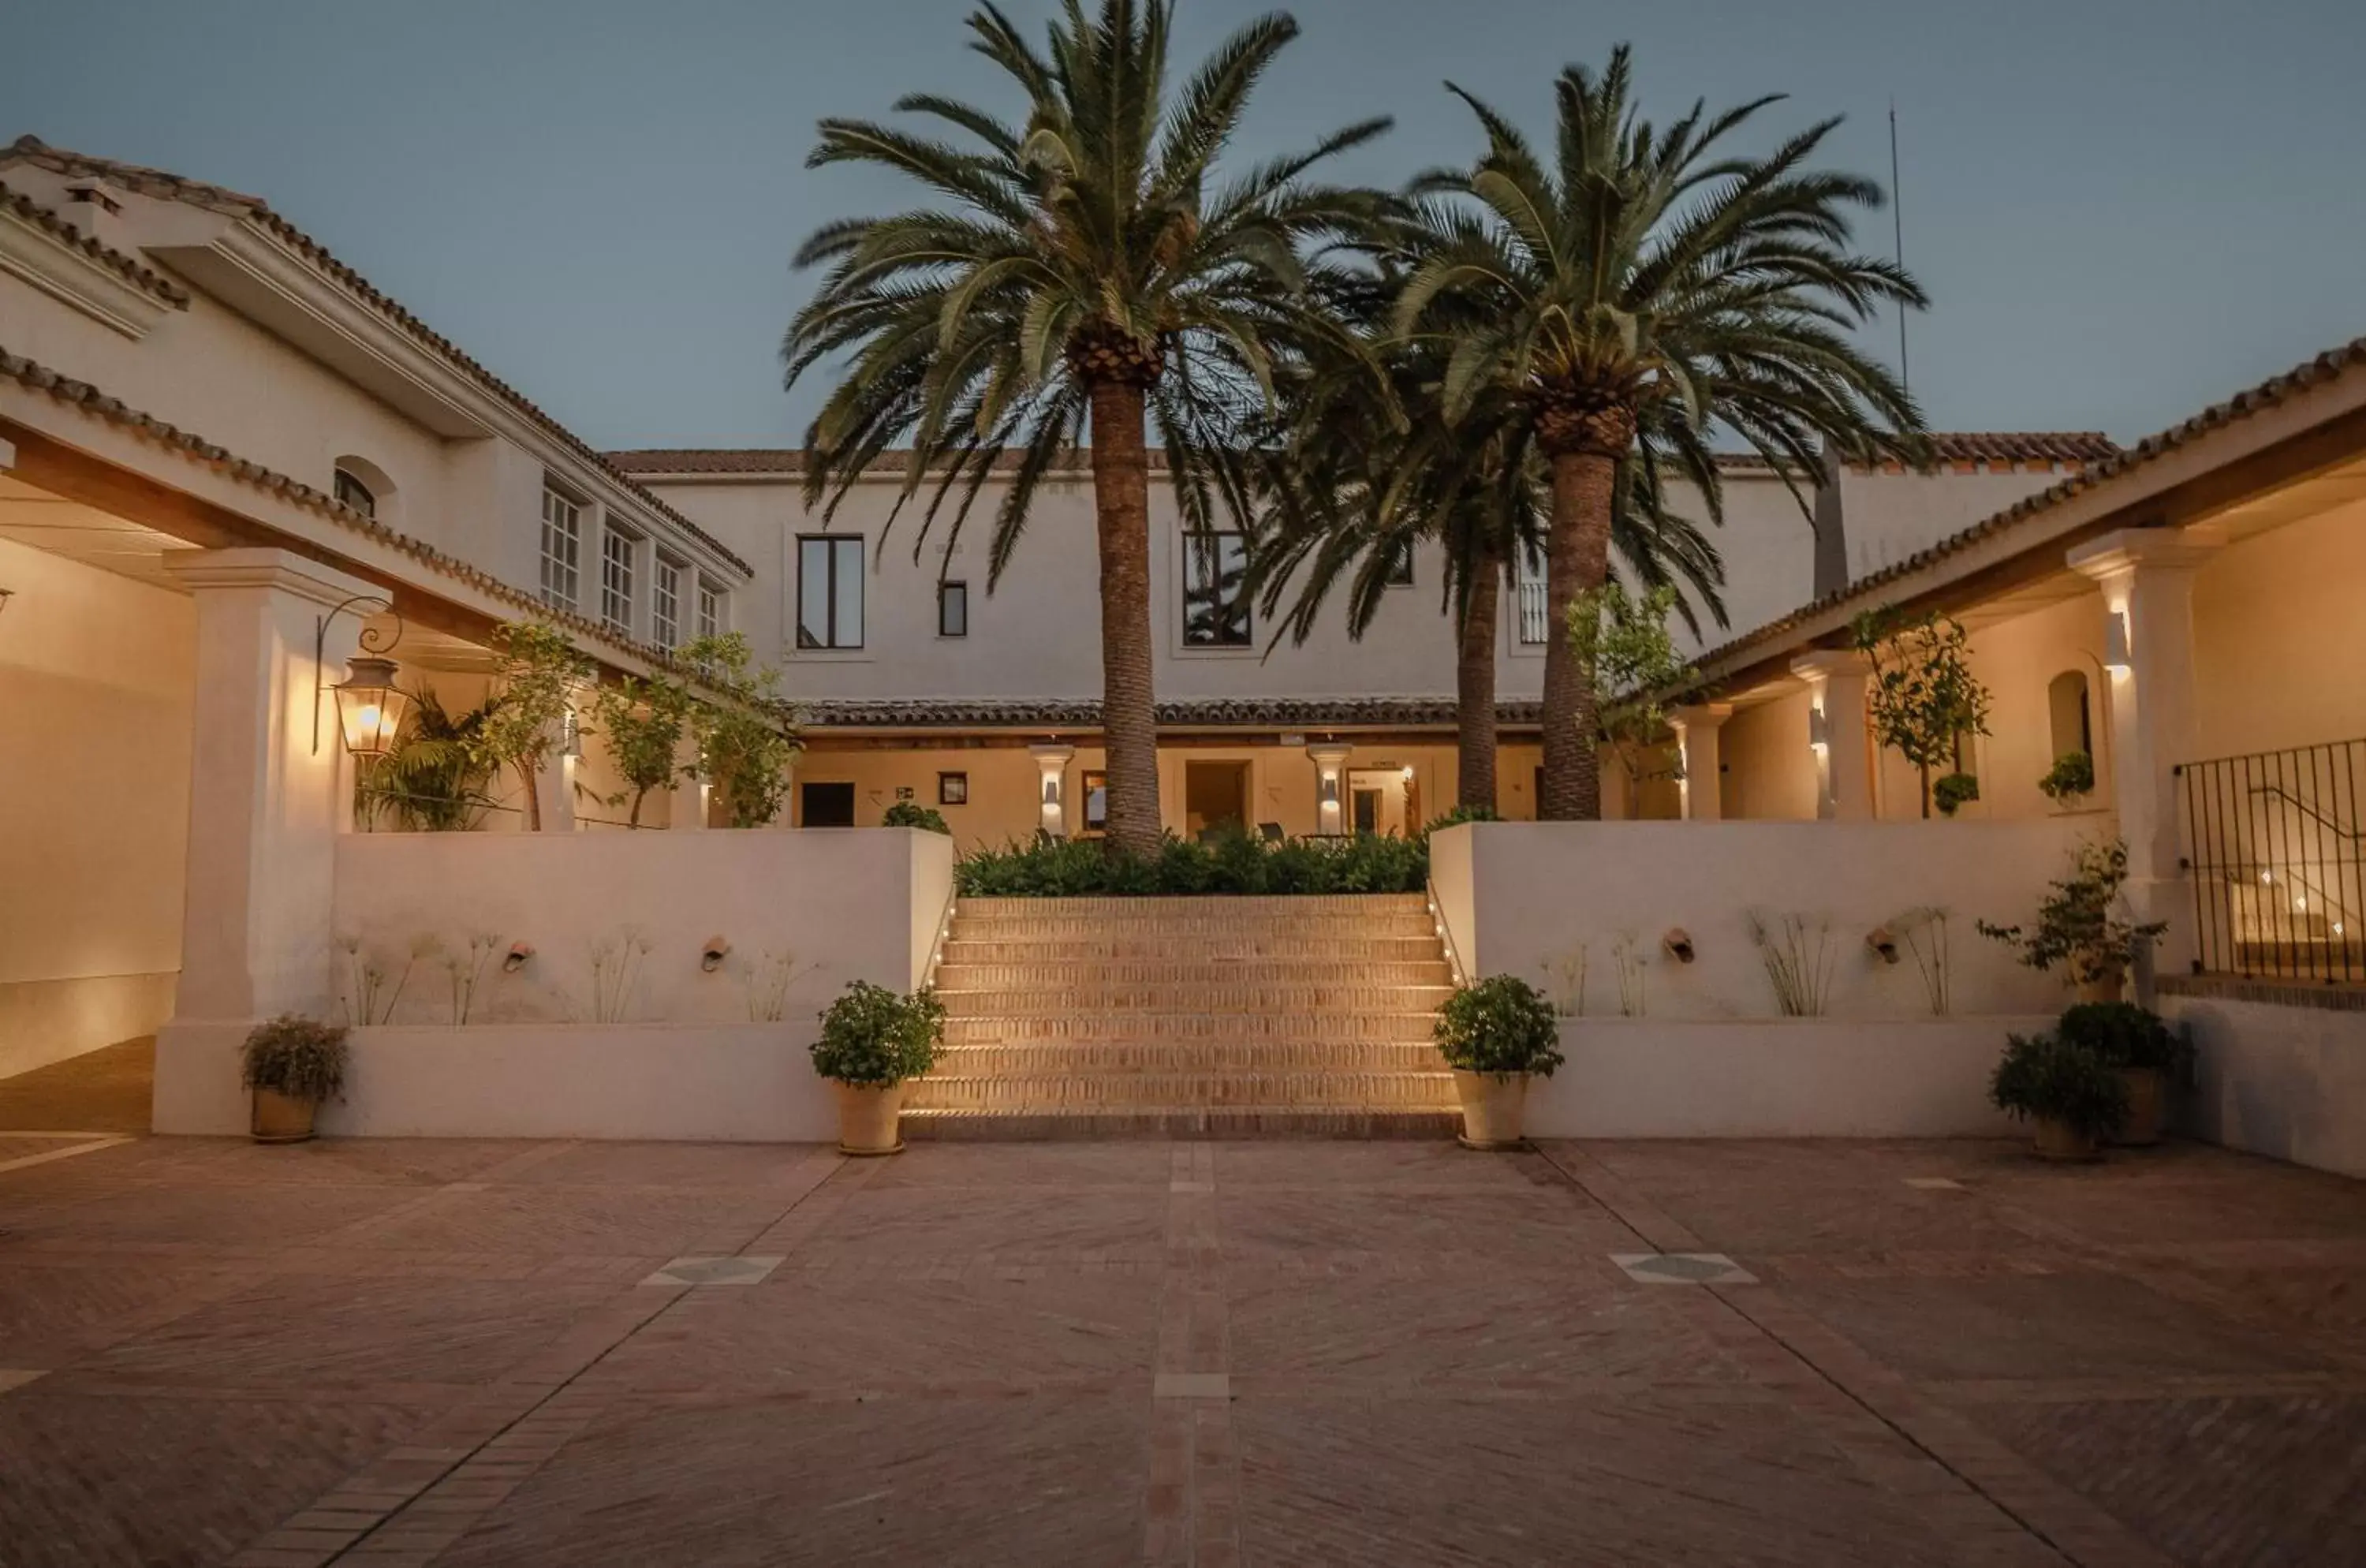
(2106, 990)
(280, 1119)
(1494, 1108)
(2056, 1141)
(2144, 1092)
(866, 1118)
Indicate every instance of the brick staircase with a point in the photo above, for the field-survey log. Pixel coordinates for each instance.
(1078, 1017)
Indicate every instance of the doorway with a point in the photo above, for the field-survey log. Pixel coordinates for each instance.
(1376, 801)
(826, 805)
(1215, 794)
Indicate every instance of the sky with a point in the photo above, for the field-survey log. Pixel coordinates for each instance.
(2122, 209)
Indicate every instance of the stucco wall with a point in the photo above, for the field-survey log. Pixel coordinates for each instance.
(95, 713)
(1540, 892)
(1770, 774)
(2288, 1082)
(2278, 618)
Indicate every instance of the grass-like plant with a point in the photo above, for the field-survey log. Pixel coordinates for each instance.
(1923, 930)
(767, 979)
(911, 813)
(299, 1057)
(1500, 1025)
(1567, 975)
(466, 971)
(1230, 862)
(1628, 958)
(1798, 953)
(2122, 1035)
(873, 1036)
(617, 963)
(2044, 1077)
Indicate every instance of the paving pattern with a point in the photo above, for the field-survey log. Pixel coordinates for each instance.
(489, 1355)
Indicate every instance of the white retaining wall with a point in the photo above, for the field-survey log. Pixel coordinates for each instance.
(2284, 1081)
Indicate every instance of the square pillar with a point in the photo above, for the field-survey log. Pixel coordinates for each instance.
(265, 810)
(1698, 743)
(1330, 760)
(1052, 792)
(2146, 578)
(1836, 734)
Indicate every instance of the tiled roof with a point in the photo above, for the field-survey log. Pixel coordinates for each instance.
(168, 187)
(91, 400)
(130, 269)
(1085, 713)
(2327, 367)
(1947, 447)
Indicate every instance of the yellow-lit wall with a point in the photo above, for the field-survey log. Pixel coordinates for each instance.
(2280, 637)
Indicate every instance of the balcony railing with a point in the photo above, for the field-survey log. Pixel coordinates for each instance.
(1534, 623)
(2273, 840)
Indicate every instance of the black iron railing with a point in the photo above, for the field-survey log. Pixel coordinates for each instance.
(2274, 843)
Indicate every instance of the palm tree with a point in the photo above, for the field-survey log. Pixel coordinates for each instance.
(1085, 270)
(1640, 293)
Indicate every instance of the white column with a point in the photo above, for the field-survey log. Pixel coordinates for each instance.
(1330, 760)
(554, 782)
(1052, 793)
(1698, 731)
(264, 813)
(2146, 577)
(1836, 732)
(687, 812)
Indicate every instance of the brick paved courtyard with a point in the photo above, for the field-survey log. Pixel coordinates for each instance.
(382, 1353)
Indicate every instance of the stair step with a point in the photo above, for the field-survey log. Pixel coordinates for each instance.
(1404, 1090)
(1290, 907)
(1184, 1122)
(1299, 996)
(1150, 1029)
(1211, 1054)
(1229, 946)
(1066, 973)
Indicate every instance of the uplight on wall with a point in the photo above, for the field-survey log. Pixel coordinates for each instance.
(2116, 658)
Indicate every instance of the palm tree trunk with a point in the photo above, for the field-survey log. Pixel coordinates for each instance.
(1474, 683)
(1576, 560)
(1129, 717)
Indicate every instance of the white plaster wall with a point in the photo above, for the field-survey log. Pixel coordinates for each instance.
(1891, 514)
(96, 699)
(1539, 890)
(2280, 637)
(2288, 1082)
(1770, 773)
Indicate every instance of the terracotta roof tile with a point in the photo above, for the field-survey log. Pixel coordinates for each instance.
(216, 198)
(1085, 713)
(130, 268)
(792, 460)
(2327, 367)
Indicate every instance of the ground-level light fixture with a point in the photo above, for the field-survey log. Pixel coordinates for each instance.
(370, 706)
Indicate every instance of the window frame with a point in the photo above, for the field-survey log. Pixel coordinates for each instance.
(567, 566)
(952, 586)
(1094, 778)
(712, 607)
(953, 789)
(345, 484)
(1242, 620)
(665, 601)
(626, 567)
(832, 545)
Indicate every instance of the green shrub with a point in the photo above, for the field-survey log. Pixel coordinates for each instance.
(2073, 774)
(1955, 792)
(2122, 1034)
(873, 1036)
(299, 1057)
(1459, 815)
(1499, 1025)
(1230, 862)
(2044, 1077)
(911, 813)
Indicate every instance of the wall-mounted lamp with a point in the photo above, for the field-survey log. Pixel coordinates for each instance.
(1820, 730)
(2116, 658)
(370, 707)
(5, 594)
(570, 735)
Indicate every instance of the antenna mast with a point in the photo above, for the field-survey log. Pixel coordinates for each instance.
(1897, 230)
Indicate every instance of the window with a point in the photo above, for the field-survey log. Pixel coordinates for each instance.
(953, 789)
(2070, 719)
(1535, 622)
(826, 805)
(1096, 800)
(351, 492)
(562, 548)
(1215, 607)
(618, 551)
(830, 591)
(665, 604)
(713, 621)
(952, 609)
(1400, 569)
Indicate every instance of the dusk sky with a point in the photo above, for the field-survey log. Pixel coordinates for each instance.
(2122, 208)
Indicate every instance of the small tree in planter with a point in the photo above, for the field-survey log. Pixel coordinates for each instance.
(2140, 1046)
(2082, 925)
(912, 813)
(1624, 644)
(643, 722)
(1925, 698)
(1494, 1033)
(2075, 1097)
(872, 1040)
(537, 670)
(2069, 781)
(745, 745)
(292, 1063)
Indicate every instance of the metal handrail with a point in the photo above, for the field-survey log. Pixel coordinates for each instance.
(2353, 834)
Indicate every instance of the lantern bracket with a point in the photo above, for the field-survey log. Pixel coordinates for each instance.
(371, 642)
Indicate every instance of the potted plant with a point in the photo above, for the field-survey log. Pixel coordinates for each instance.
(2070, 779)
(2136, 1043)
(1495, 1033)
(872, 1040)
(292, 1063)
(2081, 925)
(1954, 792)
(2075, 1097)
(908, 813)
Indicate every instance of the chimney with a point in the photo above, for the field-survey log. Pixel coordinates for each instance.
(95, 208)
